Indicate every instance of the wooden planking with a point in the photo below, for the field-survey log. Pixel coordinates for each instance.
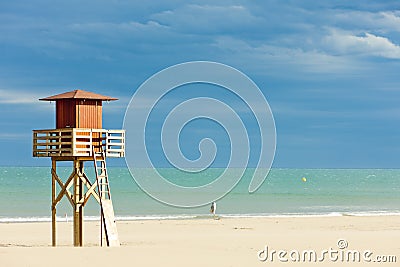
(89, 114)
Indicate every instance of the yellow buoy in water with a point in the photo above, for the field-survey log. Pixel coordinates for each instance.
(304, 179)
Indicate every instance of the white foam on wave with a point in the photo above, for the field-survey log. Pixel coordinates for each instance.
(24, 219)
(201, 216)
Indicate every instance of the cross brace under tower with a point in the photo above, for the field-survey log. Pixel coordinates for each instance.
(82, 189)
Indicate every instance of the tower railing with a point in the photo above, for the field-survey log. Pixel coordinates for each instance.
(78, 142)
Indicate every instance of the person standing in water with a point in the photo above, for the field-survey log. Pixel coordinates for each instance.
(213, 208)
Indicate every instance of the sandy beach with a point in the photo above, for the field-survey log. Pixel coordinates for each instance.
(208, 242)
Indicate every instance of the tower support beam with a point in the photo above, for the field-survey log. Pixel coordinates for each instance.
(78, 207)
(53, 202)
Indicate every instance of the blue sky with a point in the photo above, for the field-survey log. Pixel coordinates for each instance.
(329, 69)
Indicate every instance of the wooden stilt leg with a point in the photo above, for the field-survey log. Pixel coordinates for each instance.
(53, 203)
(81, 205)
(78, 208)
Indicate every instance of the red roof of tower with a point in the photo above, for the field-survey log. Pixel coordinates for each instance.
(78, 94)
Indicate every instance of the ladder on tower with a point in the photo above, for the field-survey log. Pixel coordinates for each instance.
(107, 218)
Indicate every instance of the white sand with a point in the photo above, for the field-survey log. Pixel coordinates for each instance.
(225, 242)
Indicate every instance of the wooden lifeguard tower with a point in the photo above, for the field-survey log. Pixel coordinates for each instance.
(79, 137)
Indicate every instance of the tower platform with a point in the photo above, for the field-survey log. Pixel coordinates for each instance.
(69, 143)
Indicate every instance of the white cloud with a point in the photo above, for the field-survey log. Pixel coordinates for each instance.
(368, 45)
(17, 97)
(387, 21)
(391, 20)
(279, 60)
(208, 18)
(115, 28)
(15, 136)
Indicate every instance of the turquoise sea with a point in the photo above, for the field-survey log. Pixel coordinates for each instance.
(25, 195)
